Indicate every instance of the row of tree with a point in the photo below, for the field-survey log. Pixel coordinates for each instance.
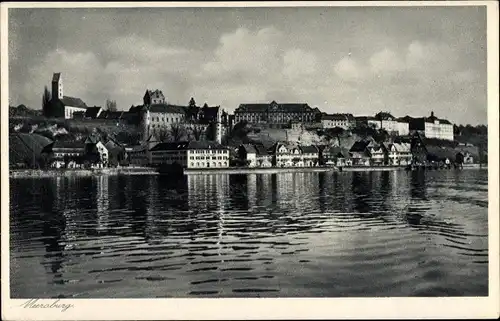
(177, 132)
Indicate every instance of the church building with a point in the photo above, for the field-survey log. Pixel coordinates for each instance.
(64, 106)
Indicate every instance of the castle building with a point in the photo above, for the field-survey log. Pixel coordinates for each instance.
(159, 118)
(64, 106)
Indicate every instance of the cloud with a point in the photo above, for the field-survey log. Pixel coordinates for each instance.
(348, 69)
(299, 63)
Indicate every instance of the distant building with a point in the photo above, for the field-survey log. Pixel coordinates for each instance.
(394, 126)
(275, 113)
(157, 116)
(93, 112)
(345, 121)
(64, 106)
(360, 155)
(399, 154)
(335, 156)
(431, 127)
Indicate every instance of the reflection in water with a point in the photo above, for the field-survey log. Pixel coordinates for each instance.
(383, 233)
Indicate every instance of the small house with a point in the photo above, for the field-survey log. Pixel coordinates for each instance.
(359, 153)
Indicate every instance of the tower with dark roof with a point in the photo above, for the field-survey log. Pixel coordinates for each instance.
(57, 86)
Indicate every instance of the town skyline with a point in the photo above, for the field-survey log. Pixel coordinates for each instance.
(368, 61)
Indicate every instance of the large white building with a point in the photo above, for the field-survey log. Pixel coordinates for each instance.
(432, 127)
(194, 154)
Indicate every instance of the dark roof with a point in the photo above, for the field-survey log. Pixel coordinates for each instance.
(335, 150)
(188, 145)
(335, 117)
(56, 77)
(309, 149)
(359, 146)
(364, 118)
(23, 146)
(261, 150)
(106, 114)
(249, 149)
(68, 144)
(74, 102)
(92, 139)
(92, 111)
(274, 107)
(167, 108)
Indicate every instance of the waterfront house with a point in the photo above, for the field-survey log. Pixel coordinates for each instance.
(255, 155)
(263, 158)
(96, 154)
(194, 154)
(336, 156)
(378, 154)
(65, 154)
(286, 155)
(468, 152)
(399, 154)
(137, 155)
(359, 153)
(248, 154)
(310, 155)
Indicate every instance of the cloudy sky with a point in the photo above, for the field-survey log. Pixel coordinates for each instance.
(409, 61)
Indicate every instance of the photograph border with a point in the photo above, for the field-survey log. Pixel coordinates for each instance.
(265, 308)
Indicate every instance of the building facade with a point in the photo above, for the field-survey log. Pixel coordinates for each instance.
(432, 127)
(275, 113)
(345, 121)
(394, 126)
(195, 154)
(399, 154)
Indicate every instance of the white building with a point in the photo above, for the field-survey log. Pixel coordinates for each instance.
(194, 154)
(386, 121)
(345, 121)
(432, 127)
(399, 154)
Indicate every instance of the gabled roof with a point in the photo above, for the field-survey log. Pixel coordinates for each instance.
(249, 149)
(261, 150)
(92, 112)
(337, 117)
(309, 149)
(336, 151)
(107, 114)
(56, 77)
(359, 146)
(167, 108)
(68, 145)
(73, 101)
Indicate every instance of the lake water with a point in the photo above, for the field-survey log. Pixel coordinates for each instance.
(347, 234)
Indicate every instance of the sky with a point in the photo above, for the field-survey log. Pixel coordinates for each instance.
(359, 60)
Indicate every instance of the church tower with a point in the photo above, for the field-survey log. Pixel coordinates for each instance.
(57, 86)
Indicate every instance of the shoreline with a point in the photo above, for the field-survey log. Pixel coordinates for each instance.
(36, 173)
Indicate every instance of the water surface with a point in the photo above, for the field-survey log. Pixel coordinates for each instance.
(350, 234)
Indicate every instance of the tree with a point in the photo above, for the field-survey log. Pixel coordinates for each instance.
(176, 132)
(192, 102)
(46, 103)
(197, 132)
(162, 135)
(110, 105)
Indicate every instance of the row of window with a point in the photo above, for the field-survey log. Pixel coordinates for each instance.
(166, 119)
(208, 157)
(208, 164)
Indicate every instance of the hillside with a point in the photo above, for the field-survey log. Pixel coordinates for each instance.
(26, 148)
